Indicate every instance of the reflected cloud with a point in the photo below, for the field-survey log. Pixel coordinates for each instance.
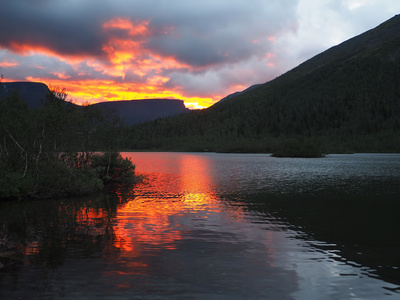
(154, 215)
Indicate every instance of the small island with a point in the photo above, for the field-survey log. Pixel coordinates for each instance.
(301, 147)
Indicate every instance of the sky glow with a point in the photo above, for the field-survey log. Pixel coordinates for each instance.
(197, 51)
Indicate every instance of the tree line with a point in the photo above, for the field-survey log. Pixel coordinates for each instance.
(51, 151)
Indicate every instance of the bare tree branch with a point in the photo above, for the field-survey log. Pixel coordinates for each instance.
(22, 150)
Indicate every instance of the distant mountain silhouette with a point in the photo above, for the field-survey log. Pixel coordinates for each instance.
(33, 93)
(139, 111)
(132, 112)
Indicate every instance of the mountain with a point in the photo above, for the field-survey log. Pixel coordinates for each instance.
(33, 93)
(344, 99)
(140, 111)
(132, 112)
(239, 93)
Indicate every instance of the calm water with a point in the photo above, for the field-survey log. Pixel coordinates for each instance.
(214, 226)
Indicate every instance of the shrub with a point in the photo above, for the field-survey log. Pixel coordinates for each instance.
(112, 168)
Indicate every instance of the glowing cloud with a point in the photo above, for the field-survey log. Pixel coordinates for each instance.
(8, 64)
(137, 28)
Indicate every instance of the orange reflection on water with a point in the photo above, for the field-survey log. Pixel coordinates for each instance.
(92, 220)
(177, 186)
(32, 248)
(143, 221)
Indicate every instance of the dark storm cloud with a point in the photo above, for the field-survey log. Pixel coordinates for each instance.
(209, 34)
(198, 33)
(65, 30)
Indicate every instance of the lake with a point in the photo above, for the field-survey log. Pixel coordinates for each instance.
(214, 226)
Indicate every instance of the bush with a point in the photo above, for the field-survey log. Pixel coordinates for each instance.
(56, 179)
(69, 176)
(112, 168)
(12, 185)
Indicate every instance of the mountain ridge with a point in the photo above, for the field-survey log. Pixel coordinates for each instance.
(144, 110)
(346, 98)
(33, 93)
(130, 111)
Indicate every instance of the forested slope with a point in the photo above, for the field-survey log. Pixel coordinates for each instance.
(344, 99)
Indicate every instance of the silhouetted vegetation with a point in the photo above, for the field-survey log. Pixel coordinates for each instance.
(50, 151)
(112, 168)
(347, 99)
(297, 148)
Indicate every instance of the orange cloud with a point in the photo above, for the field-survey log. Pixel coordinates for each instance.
(137, 28)
(29, 49)
(128, 53)
(123, 51)
(8, 64)
(60, 75)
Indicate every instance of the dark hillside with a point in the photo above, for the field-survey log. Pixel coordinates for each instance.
(239, 93)
(33, 93)
(140, 111)
(344, 99)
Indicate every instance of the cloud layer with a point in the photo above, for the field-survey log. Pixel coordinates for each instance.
(198, 51)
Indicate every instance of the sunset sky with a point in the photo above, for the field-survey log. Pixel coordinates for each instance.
(197, 51)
